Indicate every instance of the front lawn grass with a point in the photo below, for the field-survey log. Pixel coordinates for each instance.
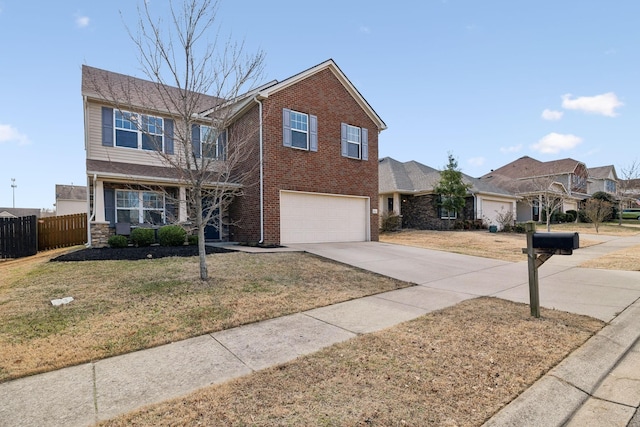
(454, 367)
(123, 306)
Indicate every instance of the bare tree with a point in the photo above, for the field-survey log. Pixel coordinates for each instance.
(629, 174)
(197, 81)
(547, 193)
(597, 210)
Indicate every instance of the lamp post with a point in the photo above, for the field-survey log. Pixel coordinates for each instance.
(13, 189)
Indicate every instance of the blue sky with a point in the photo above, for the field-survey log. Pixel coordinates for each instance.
(487, 81)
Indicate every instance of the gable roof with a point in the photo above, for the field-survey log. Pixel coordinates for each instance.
(527, 167)
(246, 101)
(416, 178)
(603, 172)
(115, 88)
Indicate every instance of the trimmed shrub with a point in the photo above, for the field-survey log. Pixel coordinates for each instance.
(520, 227)
(143, 236)
(391, 222)
(192, 239)
(171, 235)
(118, 241)
(571, 215)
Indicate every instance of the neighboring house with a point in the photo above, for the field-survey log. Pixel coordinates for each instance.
(407, 189)
(630, 191)
(18, 212)
(603, 178)
(313, 155)
(70, 199)
(532, 180)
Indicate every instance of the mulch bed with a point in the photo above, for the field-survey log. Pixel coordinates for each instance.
(136, 253)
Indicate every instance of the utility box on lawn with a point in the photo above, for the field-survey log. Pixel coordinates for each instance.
(557, 241)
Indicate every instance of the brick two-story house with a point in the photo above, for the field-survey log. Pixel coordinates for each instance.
(312, 160)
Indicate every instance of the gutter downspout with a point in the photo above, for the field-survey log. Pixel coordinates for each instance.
(95, 177)
(261, 173)
(475, 203)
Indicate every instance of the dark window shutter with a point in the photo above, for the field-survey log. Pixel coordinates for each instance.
(313, 133)
(286, 127)
(365, 143)
(222, 149)
(107, 126)
(343, 140)
(195, 140)
(110, 206)
(168, 136)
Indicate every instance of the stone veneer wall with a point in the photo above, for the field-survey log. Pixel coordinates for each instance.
(100, 233)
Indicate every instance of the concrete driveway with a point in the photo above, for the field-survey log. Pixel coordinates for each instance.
(446, 278)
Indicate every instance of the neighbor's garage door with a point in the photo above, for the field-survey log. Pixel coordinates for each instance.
(492, 208)
(317, 218)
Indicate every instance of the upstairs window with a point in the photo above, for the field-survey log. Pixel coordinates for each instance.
(212, 142)
(299, 130)
(354, 142)
(138, 131)
(609, 186)
(208, 142)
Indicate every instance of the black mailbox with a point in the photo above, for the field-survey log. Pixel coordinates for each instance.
(563, 241)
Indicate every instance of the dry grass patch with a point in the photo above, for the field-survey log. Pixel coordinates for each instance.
(503, 246)
(122, 306)
(454, 367)
(626, 259)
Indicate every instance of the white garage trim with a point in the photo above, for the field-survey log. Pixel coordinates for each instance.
(307, 217)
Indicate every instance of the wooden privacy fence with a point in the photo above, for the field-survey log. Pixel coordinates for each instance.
(62, 231)
(18, 237)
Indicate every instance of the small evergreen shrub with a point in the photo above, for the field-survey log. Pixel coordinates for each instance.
(391, 222)
(118, 241)
(143, 236)
(192, 239)
(171, 235)
(571, 215)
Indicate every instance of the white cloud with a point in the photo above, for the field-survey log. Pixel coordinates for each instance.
(476, 161)
(10, 134)
(82, 21)
(553, 143)
(552, 114)
(512, 149)
(604, 104)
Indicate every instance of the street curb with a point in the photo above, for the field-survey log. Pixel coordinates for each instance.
(555, 398)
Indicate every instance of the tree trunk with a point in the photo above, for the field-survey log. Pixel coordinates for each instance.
(204, 274)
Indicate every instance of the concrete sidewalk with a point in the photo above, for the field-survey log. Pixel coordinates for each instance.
(85, 394)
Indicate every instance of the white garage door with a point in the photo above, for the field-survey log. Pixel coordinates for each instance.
(317, 218)
(492, 208)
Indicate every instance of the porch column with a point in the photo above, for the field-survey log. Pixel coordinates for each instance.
(98, 202)
(396, 204)
(182, 203)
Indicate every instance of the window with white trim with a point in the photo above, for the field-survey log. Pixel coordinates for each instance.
(140, 207)
(446, 213)
(354, 142)
(133, 130)
(299, 130)
(212, 142)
